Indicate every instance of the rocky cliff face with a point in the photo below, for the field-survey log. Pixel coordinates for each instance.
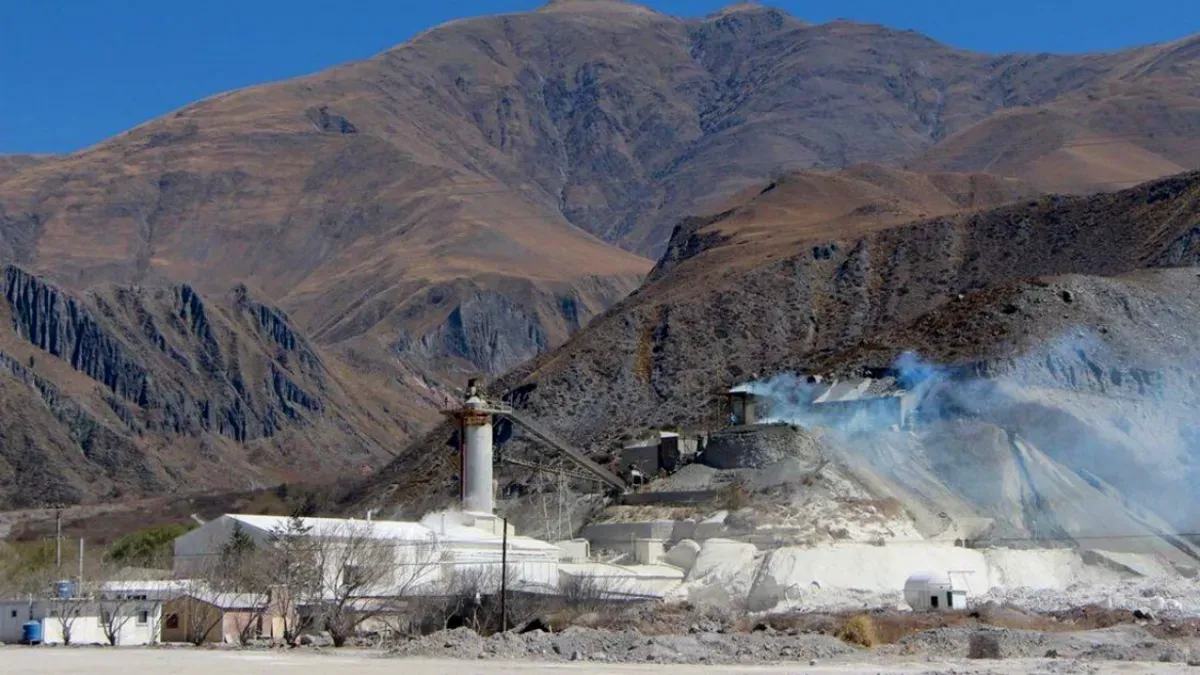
(159, 388)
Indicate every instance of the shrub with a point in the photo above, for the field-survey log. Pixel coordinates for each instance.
(151, 547)
(736, 495)
(983, 646)
(859, 630)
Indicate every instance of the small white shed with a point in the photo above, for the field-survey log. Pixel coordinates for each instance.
(934, 590)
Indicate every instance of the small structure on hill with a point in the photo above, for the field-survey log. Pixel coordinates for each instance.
(934, 591)
(743, 406)
(866, 403)
(661, 451)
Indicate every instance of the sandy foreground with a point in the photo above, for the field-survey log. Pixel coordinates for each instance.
(100, 661)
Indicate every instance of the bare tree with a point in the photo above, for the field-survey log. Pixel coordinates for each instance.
(115, 613)
(65, 611)
(590, 592)
(364, 577)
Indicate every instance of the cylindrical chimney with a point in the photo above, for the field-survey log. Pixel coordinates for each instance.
(478, 488)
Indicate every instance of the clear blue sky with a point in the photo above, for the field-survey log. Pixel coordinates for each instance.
(73, 72)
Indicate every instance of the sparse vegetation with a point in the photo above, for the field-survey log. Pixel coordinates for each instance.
(150, 547)
(859, 630)
(736, 495)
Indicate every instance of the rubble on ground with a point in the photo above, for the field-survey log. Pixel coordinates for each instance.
(630, 646)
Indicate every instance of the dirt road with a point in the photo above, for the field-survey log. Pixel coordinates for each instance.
(99, 661)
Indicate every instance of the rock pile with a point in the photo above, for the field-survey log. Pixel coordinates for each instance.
(585, 644)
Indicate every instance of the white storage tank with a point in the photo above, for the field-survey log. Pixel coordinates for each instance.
(934, 591)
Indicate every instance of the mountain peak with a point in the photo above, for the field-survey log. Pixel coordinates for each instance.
(595, 5)
(748, 6)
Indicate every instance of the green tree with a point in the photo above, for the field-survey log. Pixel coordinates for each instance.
(151, 547)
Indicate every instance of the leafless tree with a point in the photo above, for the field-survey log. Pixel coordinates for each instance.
(116, 612)
(592, 591)
(65, 611)
(365, 577)
(192, 609)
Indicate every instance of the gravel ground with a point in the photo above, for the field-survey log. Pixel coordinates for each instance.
(585, 644)
(20, 661)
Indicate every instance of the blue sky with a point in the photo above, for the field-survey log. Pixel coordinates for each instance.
(74, 72)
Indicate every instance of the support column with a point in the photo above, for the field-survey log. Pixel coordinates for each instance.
(478, 490)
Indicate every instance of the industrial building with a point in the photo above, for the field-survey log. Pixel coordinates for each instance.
(429, 556)
(853, 404)
(138, 621)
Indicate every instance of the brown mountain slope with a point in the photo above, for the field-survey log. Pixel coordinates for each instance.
(376, 199)
(1140, 121)
(131, 391)
(657, 358)
(11, 165)
(723, 291)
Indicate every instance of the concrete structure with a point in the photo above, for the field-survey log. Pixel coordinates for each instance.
(136, 624)
(661, 451)
(934, 590)
(478, 485)
(606, 581)
(574, 550)
(755, 447)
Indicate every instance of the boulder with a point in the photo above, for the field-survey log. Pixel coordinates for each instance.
(683, 555)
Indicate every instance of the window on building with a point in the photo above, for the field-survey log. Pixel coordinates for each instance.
(172, 621)
(933, 601)
(143, 617)
(14, 614)
(105, 618)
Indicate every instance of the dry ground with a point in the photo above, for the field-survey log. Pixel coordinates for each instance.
(38, 661)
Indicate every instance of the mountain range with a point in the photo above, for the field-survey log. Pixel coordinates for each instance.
(469, 200)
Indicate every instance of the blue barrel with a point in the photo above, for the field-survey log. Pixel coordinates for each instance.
(31, 633)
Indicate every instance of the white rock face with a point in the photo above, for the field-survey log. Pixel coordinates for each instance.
(789, 573)
(722, 574)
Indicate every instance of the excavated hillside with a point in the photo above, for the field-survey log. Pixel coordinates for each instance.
(712, 318)
(129, 391)
(452, 204)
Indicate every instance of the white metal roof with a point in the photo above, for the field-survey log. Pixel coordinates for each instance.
(325, 527)
(445, 532)
(922, 579)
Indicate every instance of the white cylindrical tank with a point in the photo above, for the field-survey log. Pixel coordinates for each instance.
(478, 488)
(934, 590)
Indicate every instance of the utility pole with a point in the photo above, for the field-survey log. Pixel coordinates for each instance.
(504, 578)
(58, 540)
(81, 562)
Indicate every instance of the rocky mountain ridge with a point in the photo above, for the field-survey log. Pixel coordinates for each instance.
(132, 391)
(470, 199)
